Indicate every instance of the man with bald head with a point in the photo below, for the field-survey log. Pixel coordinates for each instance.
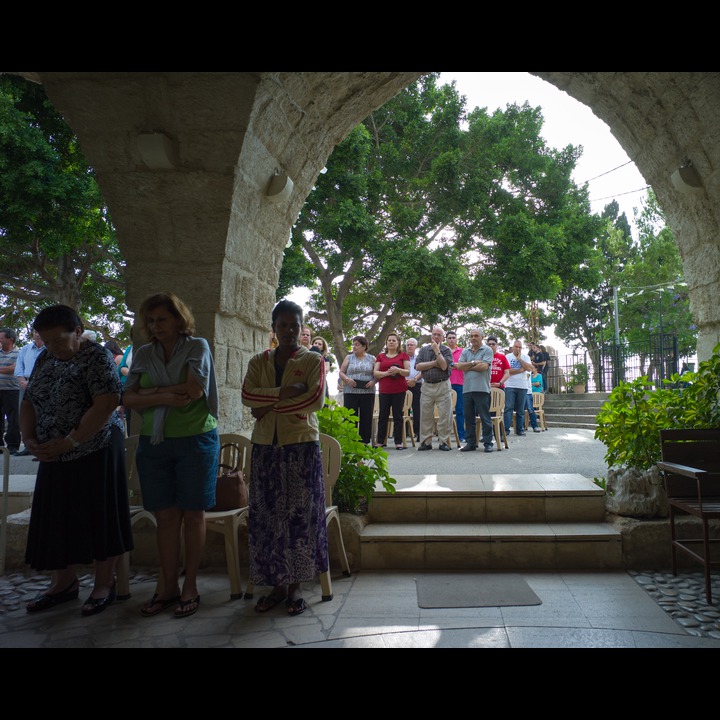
(435, 362)
(476, 362)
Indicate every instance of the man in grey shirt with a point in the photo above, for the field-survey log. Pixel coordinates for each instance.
(476, 362)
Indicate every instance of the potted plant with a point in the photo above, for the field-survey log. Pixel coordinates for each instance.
(629, 425)
(362, 466)
(578, 377)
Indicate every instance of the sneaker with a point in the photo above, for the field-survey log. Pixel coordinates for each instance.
(536, 429)
(444, 447)
(521, 433)
(423, 446)
(22, 453)
(468, 448)
(489, 448)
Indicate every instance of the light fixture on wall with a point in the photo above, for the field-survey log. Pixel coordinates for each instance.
(279, 187)
(158, 151)
(687, 180)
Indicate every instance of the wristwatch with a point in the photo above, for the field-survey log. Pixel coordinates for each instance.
(474, 363)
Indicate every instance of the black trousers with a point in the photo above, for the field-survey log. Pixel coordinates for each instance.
(364, 406)
(388, 402)
(477, 404)
(10, 410)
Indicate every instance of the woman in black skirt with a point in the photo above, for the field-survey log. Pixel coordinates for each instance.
(69, 422)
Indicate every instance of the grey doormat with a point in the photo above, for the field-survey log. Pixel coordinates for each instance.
(474, 590)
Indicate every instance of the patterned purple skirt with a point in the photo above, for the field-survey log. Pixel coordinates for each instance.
(286, 527)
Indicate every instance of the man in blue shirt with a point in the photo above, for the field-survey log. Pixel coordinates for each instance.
(476, 363)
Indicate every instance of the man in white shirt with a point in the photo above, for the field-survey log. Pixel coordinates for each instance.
(27, 356)
(516, 387)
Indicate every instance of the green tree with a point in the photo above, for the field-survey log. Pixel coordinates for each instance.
(430, 214)
(582, 311)
(58, 242)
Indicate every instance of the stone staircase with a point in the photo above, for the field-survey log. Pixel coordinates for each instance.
(437, 522)
(573, 411)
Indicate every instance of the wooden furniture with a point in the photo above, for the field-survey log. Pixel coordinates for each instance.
(407, 421)
(497, 408)
(538, 400)
(235, 451)
(331, 462)
(137, 513)
(691, 467)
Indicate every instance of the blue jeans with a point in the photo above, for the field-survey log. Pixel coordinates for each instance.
(459, 412)
(531, 410)
(515, 401)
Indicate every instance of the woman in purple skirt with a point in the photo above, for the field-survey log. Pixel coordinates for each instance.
(284, 388)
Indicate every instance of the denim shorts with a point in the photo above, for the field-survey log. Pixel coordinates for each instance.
(180, 472)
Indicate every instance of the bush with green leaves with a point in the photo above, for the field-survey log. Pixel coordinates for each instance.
(630, 420)
(362, 466)
(579, 374)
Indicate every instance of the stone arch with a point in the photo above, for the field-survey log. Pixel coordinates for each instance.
(203, 228)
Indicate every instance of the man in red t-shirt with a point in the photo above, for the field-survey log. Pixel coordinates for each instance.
(500, 370)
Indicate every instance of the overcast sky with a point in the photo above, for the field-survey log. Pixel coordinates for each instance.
(604, 164)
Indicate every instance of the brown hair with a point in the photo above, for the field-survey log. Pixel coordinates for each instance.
(174, 305)
(362, 340)
(325, 347)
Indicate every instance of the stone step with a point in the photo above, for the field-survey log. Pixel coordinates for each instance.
(490, 521)
(570, 423)
(490, 545)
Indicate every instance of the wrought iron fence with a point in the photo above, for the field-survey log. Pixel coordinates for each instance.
(657, 357)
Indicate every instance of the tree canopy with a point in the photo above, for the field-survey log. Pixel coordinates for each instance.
(58, 242)
(431, 214)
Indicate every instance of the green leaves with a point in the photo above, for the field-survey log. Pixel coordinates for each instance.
(630, 421)
(362, 466)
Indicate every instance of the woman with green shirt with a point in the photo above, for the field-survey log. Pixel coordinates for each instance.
(172, 385)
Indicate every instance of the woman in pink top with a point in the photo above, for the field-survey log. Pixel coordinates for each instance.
(391, 368)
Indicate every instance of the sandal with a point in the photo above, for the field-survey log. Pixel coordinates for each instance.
(268, 602)
(149, 609)
(46, 600)
(185, 608)
(296, 607)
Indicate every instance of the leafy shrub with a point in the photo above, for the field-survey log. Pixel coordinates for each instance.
(579, 374)
(362, 466)
(630, 420)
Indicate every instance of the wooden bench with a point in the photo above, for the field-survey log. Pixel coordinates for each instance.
(691, 467)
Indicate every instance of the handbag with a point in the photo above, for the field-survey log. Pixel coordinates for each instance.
(231, 491)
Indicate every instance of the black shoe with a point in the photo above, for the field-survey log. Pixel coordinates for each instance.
(520, 434)
(489, 448)
(423, 446)
(536, 429)
(93, 606)
(443, 447)
(22, 453)
(13, 451)
(45, 601)
(468, 448)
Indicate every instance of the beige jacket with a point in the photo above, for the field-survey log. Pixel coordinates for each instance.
(292, 420)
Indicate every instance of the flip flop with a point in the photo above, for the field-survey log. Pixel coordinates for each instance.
(296, 607)
(147, 610)
(185, 609)
(268, 602)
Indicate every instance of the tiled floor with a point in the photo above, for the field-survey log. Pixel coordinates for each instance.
(371, 609)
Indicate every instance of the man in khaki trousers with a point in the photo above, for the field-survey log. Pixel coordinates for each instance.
(435, 362)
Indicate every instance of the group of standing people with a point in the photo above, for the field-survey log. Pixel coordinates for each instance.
(431, 373)
(70, 422)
